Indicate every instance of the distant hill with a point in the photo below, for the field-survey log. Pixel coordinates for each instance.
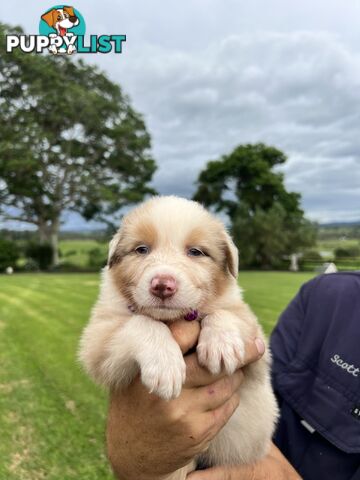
(340, 224)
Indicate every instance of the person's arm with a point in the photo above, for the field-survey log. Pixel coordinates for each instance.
(149, 438)
(273, 467)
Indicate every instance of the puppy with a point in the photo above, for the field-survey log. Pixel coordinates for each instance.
(169, 260)
(61, 19)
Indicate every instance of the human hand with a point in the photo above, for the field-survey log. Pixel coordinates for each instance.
(148, 437)
(272, 467)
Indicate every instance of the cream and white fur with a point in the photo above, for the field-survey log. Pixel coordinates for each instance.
(118, 343)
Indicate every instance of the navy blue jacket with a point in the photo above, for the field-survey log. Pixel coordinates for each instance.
(316, 377)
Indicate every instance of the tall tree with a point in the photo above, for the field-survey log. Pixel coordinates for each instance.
(267, 221)
(69, 140)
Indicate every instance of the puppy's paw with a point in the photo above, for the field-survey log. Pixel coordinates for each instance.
(163, 372)
(219, 349)
(53, 49)
(71, 49)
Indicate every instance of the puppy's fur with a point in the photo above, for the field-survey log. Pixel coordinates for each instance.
(127, 331)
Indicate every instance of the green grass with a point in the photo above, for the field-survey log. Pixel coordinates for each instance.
(332, 244)
(51, 416)
(77, 251)
(268, 293)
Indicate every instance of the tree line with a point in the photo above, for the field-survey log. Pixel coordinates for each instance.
(71, 140)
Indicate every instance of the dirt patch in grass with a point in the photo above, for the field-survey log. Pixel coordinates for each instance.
(71, 406)
(18, 465)
(11, 386)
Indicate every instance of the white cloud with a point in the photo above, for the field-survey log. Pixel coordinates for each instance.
(209, 75)
(296, 90)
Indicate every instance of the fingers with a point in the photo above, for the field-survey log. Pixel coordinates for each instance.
(198, 376)
(221, 415)
(217, 473)
(268, 467)
(216, 394)
(222, 473)
(186, 333)
(253, 351)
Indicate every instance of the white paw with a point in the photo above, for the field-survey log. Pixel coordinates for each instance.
(219, 349)
(53, 49)
(163, 372)
(71, 49)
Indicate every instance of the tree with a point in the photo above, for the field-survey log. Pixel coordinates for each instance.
(40, 254)
(69, 140)
(267, 222)
(9, 254)
(351, 251)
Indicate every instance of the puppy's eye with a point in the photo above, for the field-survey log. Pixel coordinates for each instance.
(195, 252)
(142, 250)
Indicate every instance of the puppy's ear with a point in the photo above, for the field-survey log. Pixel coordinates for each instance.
(70, 11)
(231, 256)
(114, 256)
(49, 17)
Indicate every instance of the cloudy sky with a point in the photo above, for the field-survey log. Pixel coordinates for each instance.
(211, 74)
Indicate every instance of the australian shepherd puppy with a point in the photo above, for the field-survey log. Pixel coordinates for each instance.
(169, 260)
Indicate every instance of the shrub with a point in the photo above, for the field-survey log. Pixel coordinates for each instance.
(310, 260)
(41, 254)
(9, 253)
(69, 253)
(30, 265)
(312, 255)
(349, 252)
(69, 267)
(96, 258)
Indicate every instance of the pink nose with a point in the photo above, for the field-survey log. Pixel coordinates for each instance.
(163, 286)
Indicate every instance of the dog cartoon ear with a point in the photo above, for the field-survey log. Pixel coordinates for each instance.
(49, 17)
(231, 256)
(70, 11)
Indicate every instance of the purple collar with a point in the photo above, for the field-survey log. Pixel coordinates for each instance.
(192, 315)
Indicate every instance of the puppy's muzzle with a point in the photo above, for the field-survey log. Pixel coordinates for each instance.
(163, 286)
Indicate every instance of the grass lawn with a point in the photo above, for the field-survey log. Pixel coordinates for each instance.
(268, 293)
(51, 416)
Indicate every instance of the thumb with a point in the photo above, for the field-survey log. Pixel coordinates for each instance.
(186, 333)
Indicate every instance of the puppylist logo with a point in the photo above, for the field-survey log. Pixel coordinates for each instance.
(62, 31)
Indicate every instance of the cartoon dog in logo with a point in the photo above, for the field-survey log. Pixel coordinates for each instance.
(61, 19)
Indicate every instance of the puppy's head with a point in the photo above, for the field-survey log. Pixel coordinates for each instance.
(171, 255)
(61, 17)
(70, 19)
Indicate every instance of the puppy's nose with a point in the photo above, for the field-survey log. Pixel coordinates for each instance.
(163, 286)
(73, 19)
